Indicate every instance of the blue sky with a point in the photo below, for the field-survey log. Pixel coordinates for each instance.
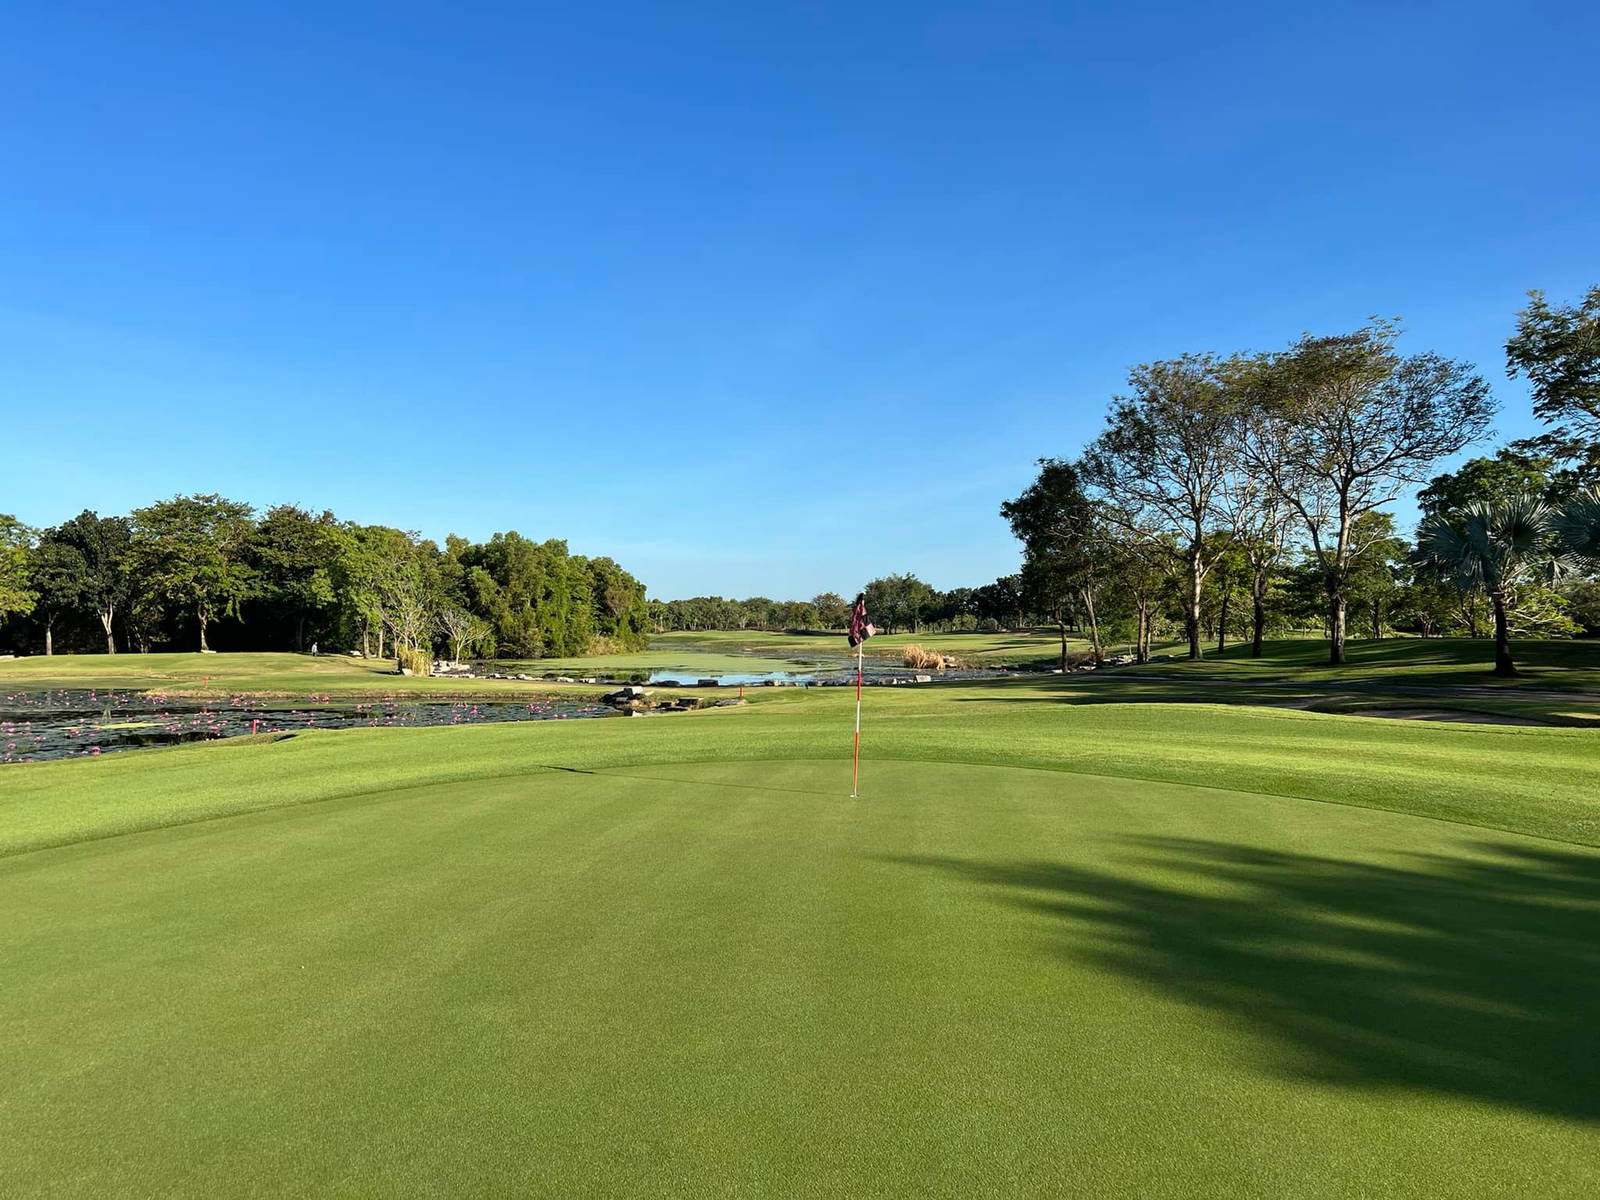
(757, 298)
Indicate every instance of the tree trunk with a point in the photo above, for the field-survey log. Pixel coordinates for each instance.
(1502, 636)
(201, 616)
(300, 633)
(1377, 620)
(1141, 649)
(1335, 626)
(1222, 623)
(1258, 620)
(1191, 607)
(1061, 622)
(107, 615)
(1094, 627)
(49, 637)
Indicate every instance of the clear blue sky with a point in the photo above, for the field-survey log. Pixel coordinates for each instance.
(757, 298)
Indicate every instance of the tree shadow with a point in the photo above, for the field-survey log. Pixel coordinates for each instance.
(1454, 975)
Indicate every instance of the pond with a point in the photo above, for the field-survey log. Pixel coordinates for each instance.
(821, 675)
(83, 722)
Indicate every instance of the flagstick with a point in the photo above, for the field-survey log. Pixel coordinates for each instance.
(855, 766)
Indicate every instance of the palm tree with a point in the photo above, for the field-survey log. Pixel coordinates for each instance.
(1495, 545)
(1577, 527)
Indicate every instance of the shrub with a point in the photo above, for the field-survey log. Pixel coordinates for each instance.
(418, 662)
(924, 659)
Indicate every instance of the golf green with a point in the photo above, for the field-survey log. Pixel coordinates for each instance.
(720, 979)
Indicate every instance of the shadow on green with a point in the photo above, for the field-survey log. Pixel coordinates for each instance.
(1459, 976)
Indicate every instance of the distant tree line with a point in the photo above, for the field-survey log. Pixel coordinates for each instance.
(895, 603)
(1236, 494)
(203, 571)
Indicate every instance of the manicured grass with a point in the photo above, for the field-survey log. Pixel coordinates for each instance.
(666, 657)
(1557, 665)
(1026, 648)
(1058, 948)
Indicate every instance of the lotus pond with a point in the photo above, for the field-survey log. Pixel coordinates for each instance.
(79, 722)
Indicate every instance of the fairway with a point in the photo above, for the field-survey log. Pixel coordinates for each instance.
(726, 978)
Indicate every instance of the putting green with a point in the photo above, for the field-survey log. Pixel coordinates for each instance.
(729, 979)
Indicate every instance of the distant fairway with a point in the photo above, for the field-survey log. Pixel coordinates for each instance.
(1100, 950)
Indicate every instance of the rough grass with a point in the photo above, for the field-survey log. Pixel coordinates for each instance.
(921, 658)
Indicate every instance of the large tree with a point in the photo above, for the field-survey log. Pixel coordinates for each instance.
(1341, 426)
(58, 577)
(1558, 351)
(1168, 462)
(192, 551)
(296, 554)
(105, 546)
(899, 602)
(1065, 556)
(833, 610)
(16, 540)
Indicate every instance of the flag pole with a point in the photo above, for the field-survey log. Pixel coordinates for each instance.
(855, 765)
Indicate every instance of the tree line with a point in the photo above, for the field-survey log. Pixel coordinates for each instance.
(195, 571)
(897, 603)
(1262, 480)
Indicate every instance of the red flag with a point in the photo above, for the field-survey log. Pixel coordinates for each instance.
(860, 631)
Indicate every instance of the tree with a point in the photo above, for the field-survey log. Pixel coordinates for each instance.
(1427, 603)
(1492, 544)
(409, 597)
(105, 546)
(58, 577)
(1509, 473)
(465, 632)
(1377, 570)
(898, 602)
(295, 555)
(365, 552)
(1228, 579)
(1167, 462)
(1341, 426)
(1558, 351)
(16, 540)
(1065, 558)
(1577, 528)
(191, 551)
(833, 612)
(620, 615)
(1000, 601)
(1262, 535)
(1138, 573)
